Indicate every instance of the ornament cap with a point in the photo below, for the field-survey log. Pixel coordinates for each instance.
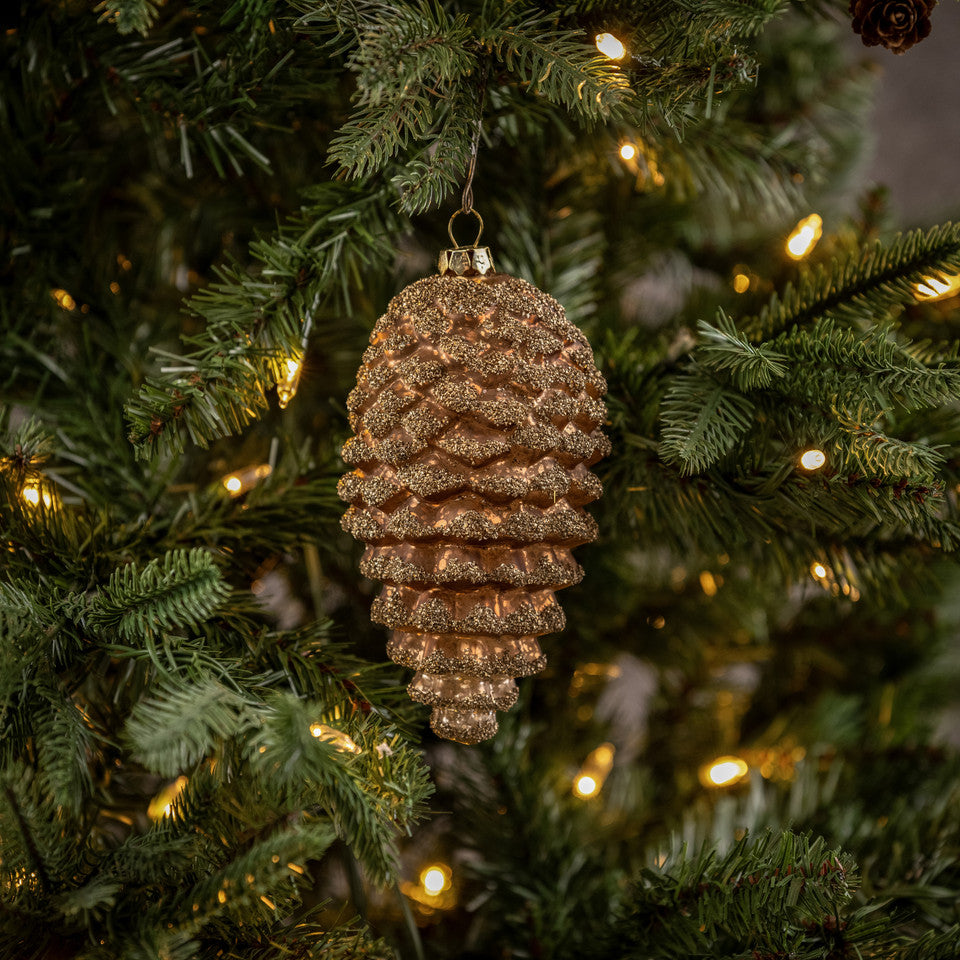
(466, 260)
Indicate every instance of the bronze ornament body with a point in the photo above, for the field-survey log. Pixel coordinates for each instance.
(477, 417)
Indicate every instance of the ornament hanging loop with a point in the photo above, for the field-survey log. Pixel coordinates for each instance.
(472, 260)
(456, 214)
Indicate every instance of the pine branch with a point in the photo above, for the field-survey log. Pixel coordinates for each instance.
(269, 519)
(736, 18)
(772, 896)
(933, 945)
(182, 723)
(307, 941)
(367, 788)
(129, 16)
(860, 449)
(557, 64)
(724, 349)
(309, 662)
(402, 68)
(35, 858)
(425, 184)
(65, 743)
(567, 256)
(145, 858)
(179, 590)
(253, 323)
(536, 854)
(702, 421)
(848, 369)
(866, 286)
(254, 884)
(90, 901)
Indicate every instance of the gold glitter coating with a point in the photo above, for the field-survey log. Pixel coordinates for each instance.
(477, 414)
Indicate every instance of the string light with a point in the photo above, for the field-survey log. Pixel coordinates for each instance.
(741, 283)
(589, 780)
(338, 738)
(813, 459)
(610, 46)
(435, 879)
(244, 480)
(628, 151)
(708, 583)
(584, 786)
(818, 570)
(34, 493)
(64, 300)
(288, 383)
(805, 236)
(433, 890)
(162, 804)
(723, 772)
(934, 288)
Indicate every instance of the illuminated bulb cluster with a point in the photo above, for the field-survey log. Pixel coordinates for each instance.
(836, 584)
(588, 782)
(64, 300)
(37, 493)
(610, 46)
(243, 480)
(709, 583)
(805, 236)
(338, 738)
(723, 772)
(435, 879)
(288, 383)
(433, 890)
(33, 494)
(938, 288)
(162, 804)
(813, 459)
(641, 160)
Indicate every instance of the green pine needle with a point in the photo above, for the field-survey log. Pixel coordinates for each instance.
(179, 590)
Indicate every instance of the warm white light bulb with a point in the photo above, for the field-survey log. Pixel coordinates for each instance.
(935, 289)
(628, 151)
(610, 46)
(435, 879)
(33, 494)
(813, 459)
(726, 770)
(804, 236)
(234, 484)
(585, 786)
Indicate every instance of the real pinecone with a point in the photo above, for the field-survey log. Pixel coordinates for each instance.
(894, 24)
(476, 412)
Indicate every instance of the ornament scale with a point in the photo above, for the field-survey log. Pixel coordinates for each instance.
(476, 418)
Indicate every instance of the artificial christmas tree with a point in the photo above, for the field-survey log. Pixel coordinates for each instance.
(744, 743)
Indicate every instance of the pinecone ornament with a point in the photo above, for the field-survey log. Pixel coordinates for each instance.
(477, 416)
(894, 24)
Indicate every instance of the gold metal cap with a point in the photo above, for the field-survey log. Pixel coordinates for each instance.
(465, 261)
